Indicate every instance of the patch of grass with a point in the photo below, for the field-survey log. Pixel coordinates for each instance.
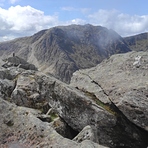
(107, 107)
(53, 116)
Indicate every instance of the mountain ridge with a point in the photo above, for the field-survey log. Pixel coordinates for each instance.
(138, 42)
(62, 50)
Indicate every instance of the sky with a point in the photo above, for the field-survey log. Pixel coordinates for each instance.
(20, 18)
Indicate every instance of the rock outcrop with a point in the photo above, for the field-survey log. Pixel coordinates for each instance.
(20, 128)
(26, 127)
(121, 81)
(18, 62)
(78, 107)
(62, 50)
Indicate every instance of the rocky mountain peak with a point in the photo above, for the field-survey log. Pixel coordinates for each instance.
(62, 50)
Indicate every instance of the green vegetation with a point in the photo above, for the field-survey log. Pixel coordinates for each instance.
(53, 116)
(107, 107)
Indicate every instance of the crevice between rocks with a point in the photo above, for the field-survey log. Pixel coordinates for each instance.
(118, 110)
(70, 133)
(59, 124)
(123, 126)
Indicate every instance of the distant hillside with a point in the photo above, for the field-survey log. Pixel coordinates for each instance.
(62, 50)
(138, 42)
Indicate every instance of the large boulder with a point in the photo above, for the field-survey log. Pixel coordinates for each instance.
(6, 88)
(18, 62)
(78, 109)
(124, 80)
(20, 128)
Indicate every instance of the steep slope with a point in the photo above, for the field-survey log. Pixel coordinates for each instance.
(62, 50)
(138, 42)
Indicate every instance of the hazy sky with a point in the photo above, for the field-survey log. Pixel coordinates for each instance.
(25, 17)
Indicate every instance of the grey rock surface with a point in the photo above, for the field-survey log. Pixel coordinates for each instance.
(85, 134)
(18, 62)
(20, 128)
(76, 107)
(124, 83)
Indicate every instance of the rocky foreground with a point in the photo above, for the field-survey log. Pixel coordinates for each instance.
(103, 106)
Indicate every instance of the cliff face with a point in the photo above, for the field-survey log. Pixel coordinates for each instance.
(138, 42)
(62, 50)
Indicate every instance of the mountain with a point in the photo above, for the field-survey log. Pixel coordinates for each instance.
(62, 50)
(138, 42)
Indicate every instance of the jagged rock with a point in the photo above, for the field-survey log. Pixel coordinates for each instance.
(124, 83)
(63, 128)
(21, 128)
(62, 50)
(85, 134)
(7, 74)
(26, 92)
(18, 62)
(6, 88)
(78, 108)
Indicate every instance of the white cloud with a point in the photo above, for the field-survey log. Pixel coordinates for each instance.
(22, 21)
(124, 24)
